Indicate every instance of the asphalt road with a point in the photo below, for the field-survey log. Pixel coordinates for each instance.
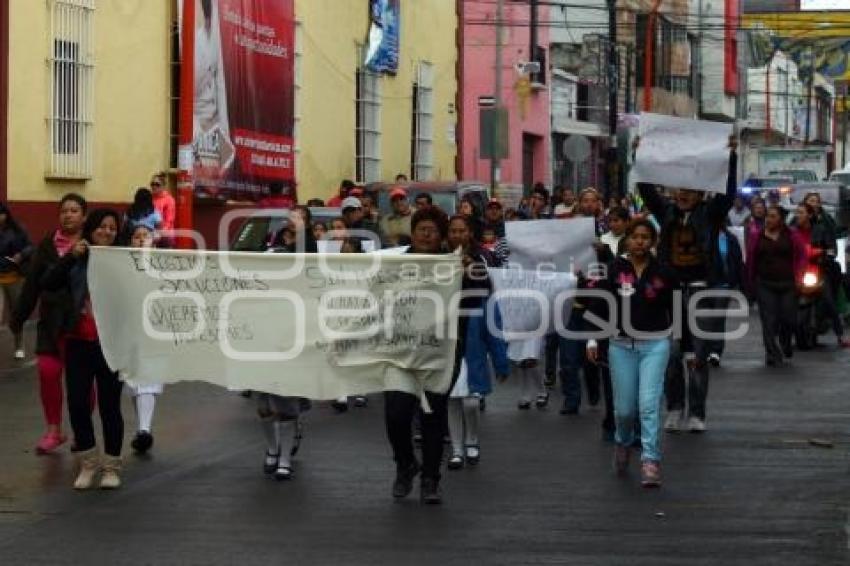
(752, 490)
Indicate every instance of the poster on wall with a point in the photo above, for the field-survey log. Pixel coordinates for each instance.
(244, 97)
(383, 41)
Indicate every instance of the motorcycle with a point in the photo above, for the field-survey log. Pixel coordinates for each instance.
(809, 320)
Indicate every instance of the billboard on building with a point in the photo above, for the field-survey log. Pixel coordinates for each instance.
(384, 32)
(244, 96)
(750, 6)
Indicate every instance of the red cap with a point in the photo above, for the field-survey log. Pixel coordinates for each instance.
(494, 202)
(398, 192)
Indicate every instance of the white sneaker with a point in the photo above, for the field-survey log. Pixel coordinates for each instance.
(674, 421)
(20, 355)
(696, 424)
(714, 359)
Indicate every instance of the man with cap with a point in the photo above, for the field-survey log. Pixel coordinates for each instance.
(352, 212)
(494, 217)
(493, 232)
(396, 226)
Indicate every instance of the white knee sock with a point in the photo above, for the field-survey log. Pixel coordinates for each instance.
(456, 425)
(531, 383)
(145, 404)
(470, 416)
(286, 434)
(271, 434)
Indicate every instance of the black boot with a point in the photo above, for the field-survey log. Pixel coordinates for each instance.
(430, 492)
(403, 484)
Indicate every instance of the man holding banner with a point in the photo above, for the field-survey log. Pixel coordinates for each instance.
(695, 157)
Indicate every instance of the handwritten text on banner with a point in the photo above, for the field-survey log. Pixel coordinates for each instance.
(315, 326)
(681, 153)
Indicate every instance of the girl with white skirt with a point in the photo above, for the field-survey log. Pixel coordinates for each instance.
(479, 344)
(525, 354)
(143, 394)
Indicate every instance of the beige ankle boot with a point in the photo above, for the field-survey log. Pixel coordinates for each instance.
(89, 463)
(111, 477)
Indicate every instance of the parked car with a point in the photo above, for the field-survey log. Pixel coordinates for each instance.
(445, 194)
(258, 230)
(841, 176)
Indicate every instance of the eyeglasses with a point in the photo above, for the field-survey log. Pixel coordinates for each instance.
(426, 230)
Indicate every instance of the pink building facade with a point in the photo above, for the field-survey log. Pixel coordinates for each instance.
(525, 97)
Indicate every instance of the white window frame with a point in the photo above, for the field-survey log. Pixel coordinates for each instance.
(423, 123)
(299, 81)
(368, 101)
(70, 71)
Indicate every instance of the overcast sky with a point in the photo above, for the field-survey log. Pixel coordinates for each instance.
(825, 4)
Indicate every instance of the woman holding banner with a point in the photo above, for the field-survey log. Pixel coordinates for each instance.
(281, 416)
(144, 394)
(84, 361)
(638, 356)
(429, 228)
(473, 381)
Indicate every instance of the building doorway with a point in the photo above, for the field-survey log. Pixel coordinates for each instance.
(530, 145)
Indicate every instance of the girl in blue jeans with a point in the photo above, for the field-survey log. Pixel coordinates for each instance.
(638, 353)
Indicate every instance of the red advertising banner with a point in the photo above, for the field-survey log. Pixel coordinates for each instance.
(244, 99)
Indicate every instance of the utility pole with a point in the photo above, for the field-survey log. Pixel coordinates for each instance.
(612, 162)
(534, 23)
(185, 189)
(809, 97)
(843, 129)
(495, 165)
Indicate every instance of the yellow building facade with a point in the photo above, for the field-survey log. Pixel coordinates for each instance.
(88, 97)
(330, 36)
(89, 89)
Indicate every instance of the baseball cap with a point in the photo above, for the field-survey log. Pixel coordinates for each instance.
(494, 202)
(351, 202)
(398, 192)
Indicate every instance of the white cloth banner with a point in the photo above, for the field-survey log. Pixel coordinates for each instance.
(682, 153)
(307, 325)
(566, 244)
(528, 300)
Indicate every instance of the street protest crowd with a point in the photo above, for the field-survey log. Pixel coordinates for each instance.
(658, 247)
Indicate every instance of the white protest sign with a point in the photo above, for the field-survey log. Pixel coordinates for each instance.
(689, 154)
(528, 300)
(308, 325)
(565, 244)
(328, 246)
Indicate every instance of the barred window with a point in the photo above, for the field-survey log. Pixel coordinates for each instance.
(299, 62)
(368, 123)
(422, 146)
(71, 71)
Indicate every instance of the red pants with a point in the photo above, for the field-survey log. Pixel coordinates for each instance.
(50, 381)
